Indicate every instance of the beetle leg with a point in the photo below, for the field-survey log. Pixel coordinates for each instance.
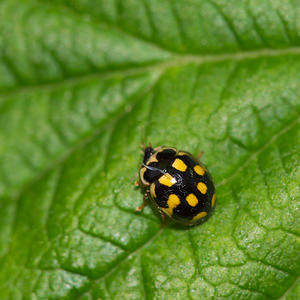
(138, 183)
(145, 202)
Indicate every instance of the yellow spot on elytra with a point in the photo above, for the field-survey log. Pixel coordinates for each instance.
(202, 214)
(179, 165)
(167, 180)
(199, 170)
(213, 200)
(192, 200)
(152, 190)
(172, 202)
(202, 187)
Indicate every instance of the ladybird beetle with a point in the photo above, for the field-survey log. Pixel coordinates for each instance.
(179, 185)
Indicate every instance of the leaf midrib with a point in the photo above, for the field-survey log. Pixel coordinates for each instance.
(160, 68)
(177, 58)
(176, 61)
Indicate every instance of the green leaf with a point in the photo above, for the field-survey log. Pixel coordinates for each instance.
(79, 82)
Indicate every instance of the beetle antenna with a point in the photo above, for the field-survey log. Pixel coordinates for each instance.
(143, 139)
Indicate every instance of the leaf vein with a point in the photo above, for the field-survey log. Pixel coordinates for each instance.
(254, 155)
(228, 23)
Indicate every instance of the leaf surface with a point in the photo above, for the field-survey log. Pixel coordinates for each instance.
(81, 80)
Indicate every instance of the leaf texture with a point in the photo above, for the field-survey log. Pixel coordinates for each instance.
(81, 80)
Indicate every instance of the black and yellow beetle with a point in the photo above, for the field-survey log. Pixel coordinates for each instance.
(179, 185)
